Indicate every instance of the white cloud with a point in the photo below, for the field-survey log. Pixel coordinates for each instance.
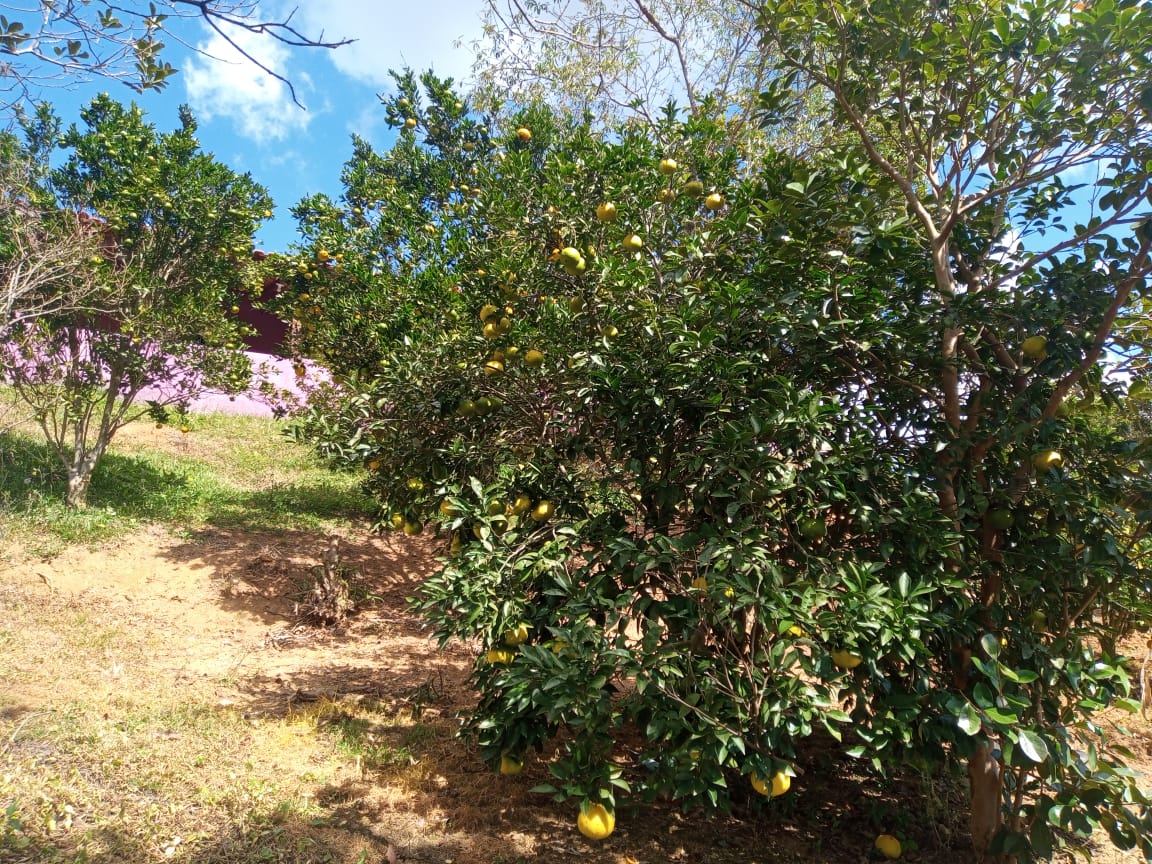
(395, 35)
(224, 83)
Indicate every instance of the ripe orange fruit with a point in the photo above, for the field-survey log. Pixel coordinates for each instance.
(500, 656)
(596, 821)
(889, 846)
(846, 659)
(510, 766)
(524, 134)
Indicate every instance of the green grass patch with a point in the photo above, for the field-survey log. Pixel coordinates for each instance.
(228, 471)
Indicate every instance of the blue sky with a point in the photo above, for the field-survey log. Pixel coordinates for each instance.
(248, 119)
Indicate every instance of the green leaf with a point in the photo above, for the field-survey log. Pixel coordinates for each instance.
(1032, 746)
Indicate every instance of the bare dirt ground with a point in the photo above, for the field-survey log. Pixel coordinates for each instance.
(159, 701)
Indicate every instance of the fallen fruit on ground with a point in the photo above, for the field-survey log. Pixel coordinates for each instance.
(595, 821)
(889, 846)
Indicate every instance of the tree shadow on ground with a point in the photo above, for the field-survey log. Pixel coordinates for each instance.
(267, 573)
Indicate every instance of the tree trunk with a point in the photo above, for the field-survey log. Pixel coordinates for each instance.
(986, 783)
(77, 495)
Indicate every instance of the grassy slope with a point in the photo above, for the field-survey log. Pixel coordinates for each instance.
(227, 471)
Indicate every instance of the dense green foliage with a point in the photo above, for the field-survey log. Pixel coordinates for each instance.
(173, 250)
(737, 424)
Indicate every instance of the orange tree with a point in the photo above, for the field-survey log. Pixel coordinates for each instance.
(148, 300)
(678, 423)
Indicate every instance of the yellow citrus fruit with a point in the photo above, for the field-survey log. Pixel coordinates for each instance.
(500, 656)
(714, 201)
(517, 635)
(693, 189)
(595, 821)
(668, 166)
(1047, 459)
(779, 784)
(446, 507)
(491, 330)
(665, 196)
(487, 311)
(410, 123)
(846, 659)
(606, 212)
(1035, 348)
(889, 846)
(397, 520)
(412, 528)
(510, 766)
(533, 359)
(524, 134)
(493, 367)
(521, 505)
(542, 512)
(633, 243)
(812, 529)
(797, 631)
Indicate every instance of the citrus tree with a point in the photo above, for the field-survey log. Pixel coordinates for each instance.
(679, 423)
(153, 303)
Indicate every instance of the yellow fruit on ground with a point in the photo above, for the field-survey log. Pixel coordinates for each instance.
(606, 212)
(596, 821)
(846, 659)
(633, 243)
(1047, 459)
(517, 635)
(542, 512)
(524, 134)
(668, 166)
(500, 656)
(714, 201)
(1035, 348)
(533, 359)
(889, 846)
(510, 766)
